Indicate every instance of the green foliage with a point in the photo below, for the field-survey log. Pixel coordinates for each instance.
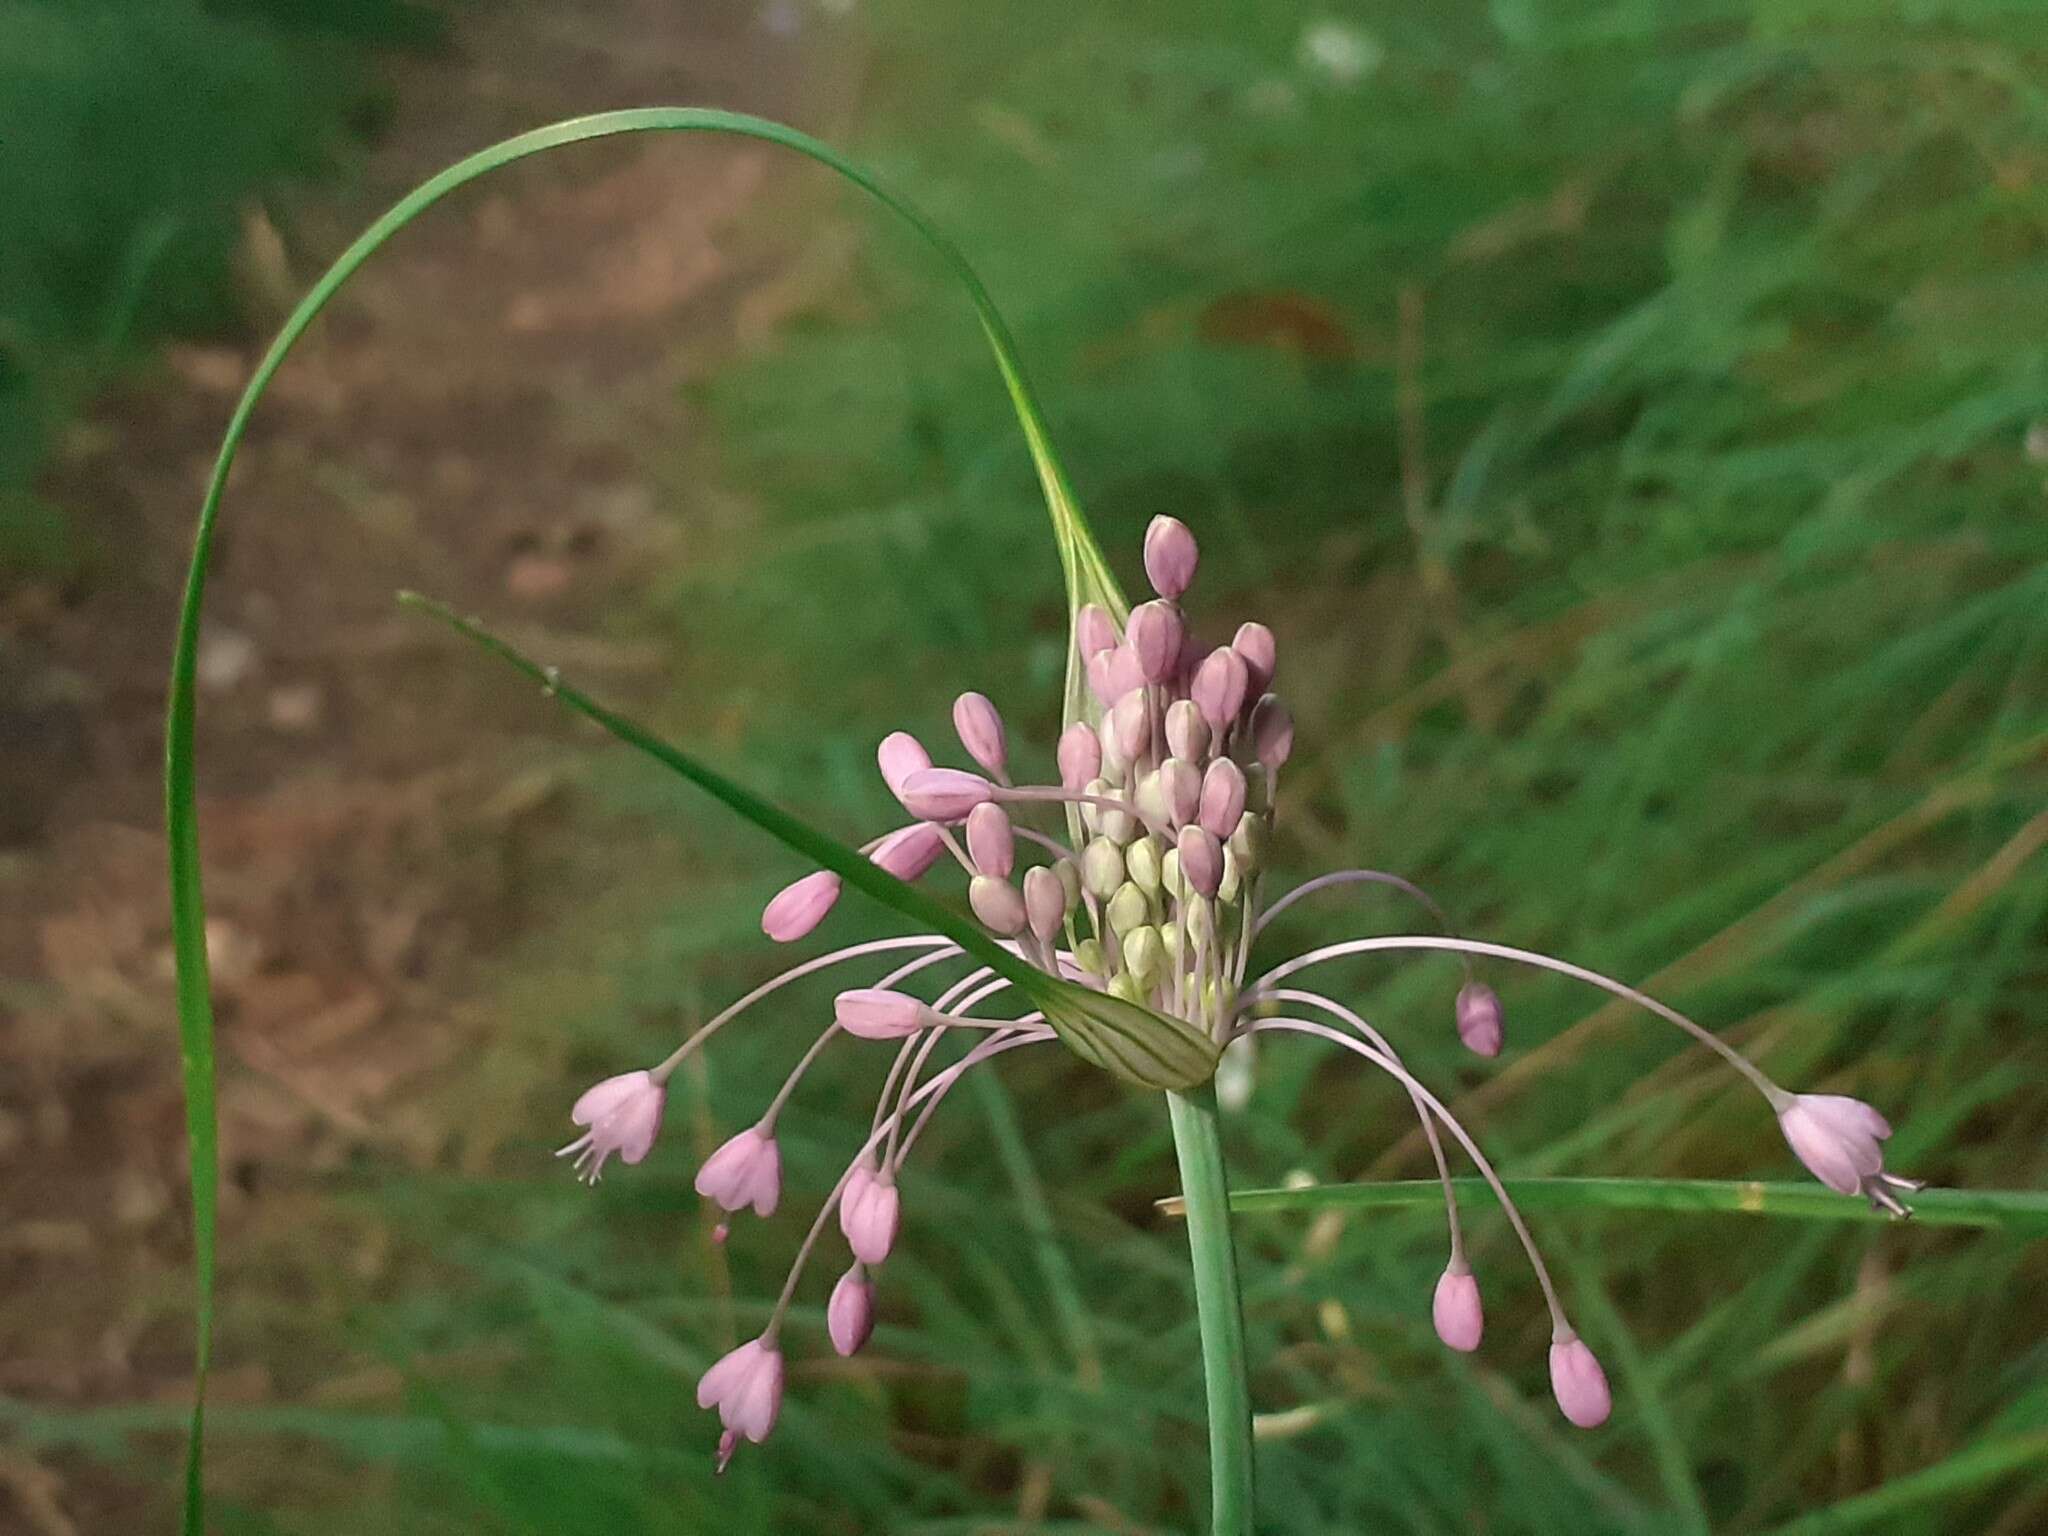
(136, 137)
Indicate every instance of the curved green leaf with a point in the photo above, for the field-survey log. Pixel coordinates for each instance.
(2005, 1210)
(1080, 559)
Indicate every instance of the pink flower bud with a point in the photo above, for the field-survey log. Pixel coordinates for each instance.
(1094, 631)
(1045, 901)
(1155, 631)
(1254, 642)
(908, 852)
(899, 756)
(746, 1171)
(981, 732)
(1170, 556)
(1180, 785)
(1479, 1019)
(870, 1214)
(1272, 732)
(944, 794)
(875, 1013)
(746, 1389)
(1219, 688)
(1187, 733)
(1837, 1138)
(1455, 1310)
(623, 1116)
(1101, 682)
(996, 902)
(1578, 1383)
(1222, 797)
(990, 842)
(1201, 859)
(800, 906)
(1131, 722)
(1080, 756)
(850, 1314)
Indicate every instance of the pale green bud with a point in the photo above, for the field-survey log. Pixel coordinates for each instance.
(1128, 909)
(1169, 874)
(1128, 987)
(1248, 842)
(1069, 874)
(1144, 953)
(1233, 879)
(1102, 868)
(1150, 798)
(1089, 956)
(1199, 916)
(1142, 860)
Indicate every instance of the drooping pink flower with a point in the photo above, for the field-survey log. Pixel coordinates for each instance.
(1479, 1018)
(1578, 1383)
(746, 1171)
(1455, 1309)
(850, 1314)
(981, 732)
(1838, 1139)
(800, 906)
(943, 794)
(623, 1116)
(870, 1213)
(745, 1386)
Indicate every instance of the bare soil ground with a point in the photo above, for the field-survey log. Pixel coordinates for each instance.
(487, 414)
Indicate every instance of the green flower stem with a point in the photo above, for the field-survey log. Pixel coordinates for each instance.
(1219, 1310)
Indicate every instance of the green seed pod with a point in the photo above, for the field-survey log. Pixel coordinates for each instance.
(1143, 862)
(1128, 909)
(1102, 868)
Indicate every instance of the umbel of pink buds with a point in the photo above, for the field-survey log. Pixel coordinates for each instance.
(1837, 1138)
(746, 1171)
(1455, 1309)
(745, 1387)
(1578, 1383)
(850, 1314)
(870, 1213)
(623, 1115)
(1479, 1020)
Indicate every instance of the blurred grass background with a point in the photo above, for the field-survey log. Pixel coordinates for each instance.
(1628, 415)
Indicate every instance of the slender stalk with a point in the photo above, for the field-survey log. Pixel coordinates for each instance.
(1219, 1311)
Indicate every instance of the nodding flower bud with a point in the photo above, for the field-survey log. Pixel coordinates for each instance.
(990, 842)
(1837, 1138)
(1219, 688)
(1150, 799)
(1131, 723)
(909, 851)
(1455, 1310)
(1578, 1383)
(850, 1314)
(1128, 909)
(996, 902)
(876, 1013)
(1069, 875)
(1080, 756)
(1254, 642)
(1102, 868)
(1272, 732)
(1155, 635)
(1248, 842)
(1222, 797)
(1187, 733)
(870, 1213)
(1479, 1018)
(1144, 864)
(800, 906)
(746, 1171)
(1180, 787)
(1117, 825)
(621, 1115)
(1233, 876)
(1201, 859)
(1094, 631)
(944, 794)
(1045, 902)
(745, 1387)
(899, 756)
(981, 732)
(1170, 556)
(1114, 673)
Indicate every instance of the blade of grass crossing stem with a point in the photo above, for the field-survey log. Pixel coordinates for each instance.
(2019, 1211)
(1081, 561)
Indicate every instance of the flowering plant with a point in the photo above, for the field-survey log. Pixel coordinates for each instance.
(1115, 907)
